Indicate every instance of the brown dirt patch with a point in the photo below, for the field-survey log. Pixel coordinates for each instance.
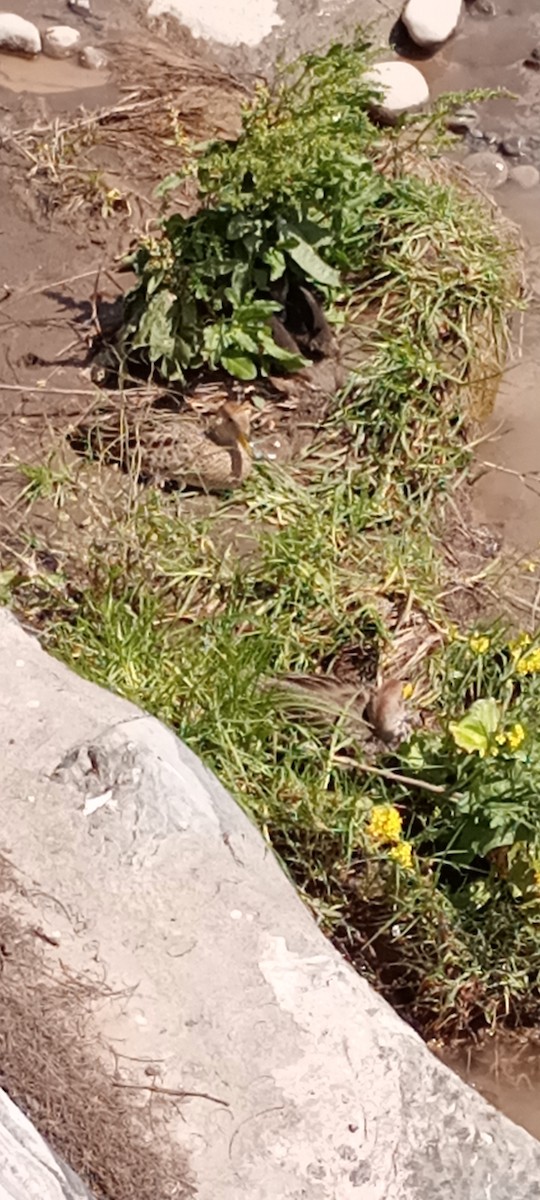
(87, 195)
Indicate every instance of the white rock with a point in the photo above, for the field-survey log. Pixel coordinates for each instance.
(526, 176)
(431, 22)
(93, 58)
(80, 6)
(231, 22)
(489, 169)
(61, 41)
(403, 85)
(19, 35)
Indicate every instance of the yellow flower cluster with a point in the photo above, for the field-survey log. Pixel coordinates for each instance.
(518, 644)
(529, 664)
(384, 824)
(525, 664)
(513, 738)
(384, 827)
(402, 855)
(516, 736)
(479, 644)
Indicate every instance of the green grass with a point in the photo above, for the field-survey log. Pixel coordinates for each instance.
(345, 544)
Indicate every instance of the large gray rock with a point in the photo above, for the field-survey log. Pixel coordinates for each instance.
(403, 88)
(28, 1168)
(61, 41)
(252, 37)
(431, 22)
(18, 35)
(142, 868)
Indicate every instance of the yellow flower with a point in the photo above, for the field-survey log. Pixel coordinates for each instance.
(529, 664)
(500, 738)
(384, 824)
(478, 644)
(516, 736)
(407, 691)
(518, 644)
(402, 855)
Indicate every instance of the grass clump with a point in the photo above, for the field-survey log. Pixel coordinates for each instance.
(429, 886)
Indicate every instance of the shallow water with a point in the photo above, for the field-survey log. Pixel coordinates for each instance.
(489, 52)
(505, 1072)
(45, 76)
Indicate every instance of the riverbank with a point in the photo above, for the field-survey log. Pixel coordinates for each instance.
(331, 560)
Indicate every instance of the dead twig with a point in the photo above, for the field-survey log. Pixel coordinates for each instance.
(179, 1093)
(437, 788)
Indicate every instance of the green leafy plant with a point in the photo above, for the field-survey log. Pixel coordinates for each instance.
(294, 196)
(483, 830)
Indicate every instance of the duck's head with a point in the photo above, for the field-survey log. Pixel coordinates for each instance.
(232, 423)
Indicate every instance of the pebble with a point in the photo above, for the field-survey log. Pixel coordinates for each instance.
(431, 22)
(463, 120)
(488, 168)
(18, 35)
(526, 176)
(475, 135)
(93, 58)
(483, 8)
(79, 6)
(403, 85)
(61, 41)
(533, 59)
(513, 147)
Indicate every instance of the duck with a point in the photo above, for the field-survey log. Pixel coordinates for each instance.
(165, 447)
(367, 709)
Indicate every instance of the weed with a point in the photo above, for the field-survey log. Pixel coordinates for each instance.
(46, 481)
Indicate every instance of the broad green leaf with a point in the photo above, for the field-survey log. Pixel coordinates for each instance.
(156, 333)
(312, 264)
(244, 340)
(307, 231)
(169, 183)
(276, 261)
(475, 730)
(240, 366)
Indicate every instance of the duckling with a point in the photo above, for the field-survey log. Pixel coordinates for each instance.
(165, 447)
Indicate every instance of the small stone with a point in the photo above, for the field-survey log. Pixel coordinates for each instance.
(526, 176)
(488, 168)
(462, 121)
(93, 58)
(403, 86)
(533, 59)
(513, 147)
(431, 22)
(18, 35)
(483, 8)
(491, 138)
(61, 41)
(476, 135)
(79, 6)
